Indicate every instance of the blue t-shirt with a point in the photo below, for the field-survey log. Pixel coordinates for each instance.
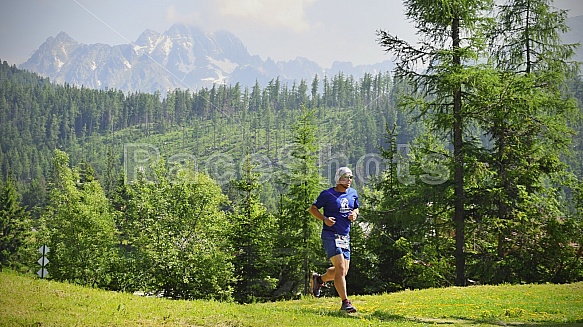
(338, 205)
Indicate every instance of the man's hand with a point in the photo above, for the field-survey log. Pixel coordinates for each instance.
(353, 215)
(329, 221)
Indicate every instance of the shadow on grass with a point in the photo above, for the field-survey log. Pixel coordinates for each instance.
(530, 324)
(378, 315)
(492, 322)
(387, 317)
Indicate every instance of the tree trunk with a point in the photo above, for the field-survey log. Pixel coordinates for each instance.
(459, 214)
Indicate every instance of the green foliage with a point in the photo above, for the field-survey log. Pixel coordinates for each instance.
(78, 226)
(15, 227)
(407, 215)
(298, 230)
(174, 236)
(542, 245)
(528, 127)
(252, 238)
(528, 38)
(509, 122)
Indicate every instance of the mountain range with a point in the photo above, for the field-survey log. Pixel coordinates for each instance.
(188, 57)
(185, 57)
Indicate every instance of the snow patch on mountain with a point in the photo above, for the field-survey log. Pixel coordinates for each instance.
(224, 65)
(59, 62)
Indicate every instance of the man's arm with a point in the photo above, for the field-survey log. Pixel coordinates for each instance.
(314, 211)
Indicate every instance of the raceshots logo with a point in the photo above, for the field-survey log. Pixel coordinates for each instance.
(140, 159)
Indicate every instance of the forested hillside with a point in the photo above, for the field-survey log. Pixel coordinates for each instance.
(214, 126)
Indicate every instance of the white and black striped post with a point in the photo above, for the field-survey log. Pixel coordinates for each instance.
(43, 272)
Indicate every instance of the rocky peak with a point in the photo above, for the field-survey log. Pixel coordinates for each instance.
(148, 38)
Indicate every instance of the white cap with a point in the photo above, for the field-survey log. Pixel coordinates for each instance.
(341, 171)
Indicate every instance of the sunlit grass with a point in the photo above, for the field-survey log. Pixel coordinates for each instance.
(27, 301)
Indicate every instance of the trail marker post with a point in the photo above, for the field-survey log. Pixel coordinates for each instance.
(42, 273)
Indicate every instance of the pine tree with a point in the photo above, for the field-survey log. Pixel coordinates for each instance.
(298, 229)
(15, 226)
(252, 239)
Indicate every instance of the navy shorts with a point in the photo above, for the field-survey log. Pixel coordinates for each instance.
(332, 249)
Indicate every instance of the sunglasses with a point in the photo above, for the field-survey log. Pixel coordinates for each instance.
(348, 177)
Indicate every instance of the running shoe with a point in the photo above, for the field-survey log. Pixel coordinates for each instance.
(315, 285)
(347, 306)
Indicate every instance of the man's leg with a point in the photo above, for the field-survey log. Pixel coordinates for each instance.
(337, 273)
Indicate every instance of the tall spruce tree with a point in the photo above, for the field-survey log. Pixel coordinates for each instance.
(252, 239)
(298, 229)
(438, 68)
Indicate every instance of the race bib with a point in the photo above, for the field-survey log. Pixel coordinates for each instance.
(342, 241)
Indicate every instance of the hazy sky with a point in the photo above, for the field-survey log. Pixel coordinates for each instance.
(320, 30)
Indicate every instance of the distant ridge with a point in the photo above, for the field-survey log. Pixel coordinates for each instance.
(184, 57)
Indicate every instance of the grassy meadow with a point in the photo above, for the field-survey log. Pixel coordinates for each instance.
(29, 301)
